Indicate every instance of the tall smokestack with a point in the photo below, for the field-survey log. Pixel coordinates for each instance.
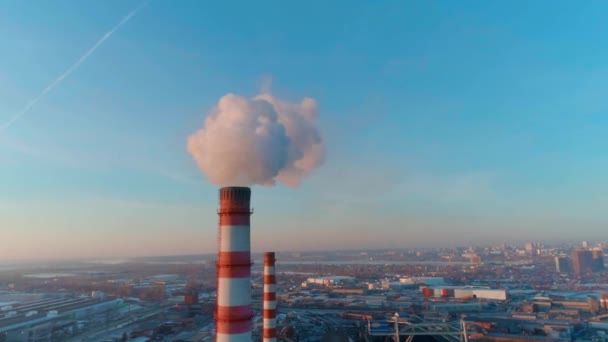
(270, 299)
(233, 309)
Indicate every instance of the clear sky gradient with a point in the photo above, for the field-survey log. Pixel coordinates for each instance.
(445, 122)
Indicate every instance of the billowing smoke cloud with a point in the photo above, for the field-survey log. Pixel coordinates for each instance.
(258, 141)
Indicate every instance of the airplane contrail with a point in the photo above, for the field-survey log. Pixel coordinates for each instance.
(71, 69)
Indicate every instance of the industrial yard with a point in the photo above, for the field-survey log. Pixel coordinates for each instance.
(340, 295)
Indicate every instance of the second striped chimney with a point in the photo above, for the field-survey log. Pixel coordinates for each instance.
(270, 299)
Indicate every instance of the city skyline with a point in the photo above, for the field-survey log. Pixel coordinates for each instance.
(444, 124)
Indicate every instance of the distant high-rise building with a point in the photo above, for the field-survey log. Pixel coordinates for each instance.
(475, 259)
(529, 246)
(582, 261)
(562, 264)
(191, 298)
(594, 304)
(598, 259)
(585, 244)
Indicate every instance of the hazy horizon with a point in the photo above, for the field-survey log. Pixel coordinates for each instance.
(441, 124)
(259, 252)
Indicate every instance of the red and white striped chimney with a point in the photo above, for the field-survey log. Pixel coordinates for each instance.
(233, 309)
(270, 299)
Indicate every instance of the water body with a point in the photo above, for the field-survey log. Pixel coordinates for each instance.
(373, 262)
(49, 275)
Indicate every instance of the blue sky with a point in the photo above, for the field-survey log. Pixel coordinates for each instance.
(444, 122)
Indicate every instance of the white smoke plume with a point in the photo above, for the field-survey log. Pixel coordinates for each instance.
(260, 140)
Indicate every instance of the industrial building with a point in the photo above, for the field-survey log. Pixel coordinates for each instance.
(466, 292)
(430, 281)
(331, 280)
(39, 320)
